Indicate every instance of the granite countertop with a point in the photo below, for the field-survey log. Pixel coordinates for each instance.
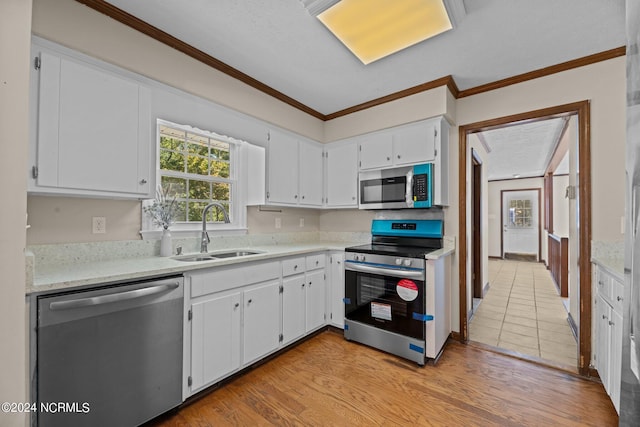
(614, 265)
(64, 276)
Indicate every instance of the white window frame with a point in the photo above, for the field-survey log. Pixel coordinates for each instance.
(238, 199)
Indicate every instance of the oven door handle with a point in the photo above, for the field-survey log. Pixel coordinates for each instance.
(417, 274)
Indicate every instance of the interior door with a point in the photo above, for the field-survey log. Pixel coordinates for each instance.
(521, 224)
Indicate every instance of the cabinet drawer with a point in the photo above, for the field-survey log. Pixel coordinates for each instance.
(617, 294)
(315, 261)
(223, 278)
(292, 266)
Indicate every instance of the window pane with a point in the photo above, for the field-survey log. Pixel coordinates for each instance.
(197, 165)
(214, 214)
(199, 190)
(174, 187)
(221, 191)
(220, 168)
(200, 149)
(181, 211)
(171, 143)
(172, 161)
(220, 153)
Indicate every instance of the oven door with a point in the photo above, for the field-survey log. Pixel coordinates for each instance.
(387, 298)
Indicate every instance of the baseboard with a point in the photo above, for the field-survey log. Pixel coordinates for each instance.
(520, 257)
(573, 326)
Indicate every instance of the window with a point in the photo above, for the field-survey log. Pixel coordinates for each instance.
(520, 214)
(197, 167)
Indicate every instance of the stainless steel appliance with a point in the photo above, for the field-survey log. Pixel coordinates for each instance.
(630, 373)
(390, 299)
(397, 188)
(110, 356)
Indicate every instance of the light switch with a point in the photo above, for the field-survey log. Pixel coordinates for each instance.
(278, 222)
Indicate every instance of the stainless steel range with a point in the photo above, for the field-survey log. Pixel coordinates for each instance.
(396, 298)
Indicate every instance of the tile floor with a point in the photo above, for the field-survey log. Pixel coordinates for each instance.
(523, 312)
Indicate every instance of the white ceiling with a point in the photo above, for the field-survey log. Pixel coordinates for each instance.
(281, 45)
(523, 150)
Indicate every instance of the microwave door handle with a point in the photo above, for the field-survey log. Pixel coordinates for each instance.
(408, 194)
(417, 274)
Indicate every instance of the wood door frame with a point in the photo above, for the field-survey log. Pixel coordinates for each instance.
(582, 110)
(502, 220)
(476, 239)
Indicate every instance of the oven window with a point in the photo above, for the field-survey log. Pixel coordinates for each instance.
(385, 302)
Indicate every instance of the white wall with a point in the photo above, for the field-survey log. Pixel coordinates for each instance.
(15, 27)
(560, 206)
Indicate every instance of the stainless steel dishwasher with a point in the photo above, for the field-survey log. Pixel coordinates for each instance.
(110, 356)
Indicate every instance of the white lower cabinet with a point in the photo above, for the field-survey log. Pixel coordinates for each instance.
(608, 324)
(261, 326)
(237, 315)
(336, 289)
(303, 296)
(215, 338)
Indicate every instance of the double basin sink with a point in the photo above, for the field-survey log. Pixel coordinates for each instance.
(214, 256)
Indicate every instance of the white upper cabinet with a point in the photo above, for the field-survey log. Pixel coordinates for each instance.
(415, 143)
(310, 171)
(90, 130)
(376, 150)
(294, 171)
(342, 175)
(282, 187)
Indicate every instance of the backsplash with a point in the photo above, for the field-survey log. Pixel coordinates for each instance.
(66, 253)
(607, 250)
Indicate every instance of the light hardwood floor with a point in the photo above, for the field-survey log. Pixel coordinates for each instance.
(328, 381)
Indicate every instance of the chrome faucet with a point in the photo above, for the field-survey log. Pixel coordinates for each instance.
(205, 236)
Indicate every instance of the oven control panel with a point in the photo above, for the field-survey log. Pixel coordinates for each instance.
(385, 260)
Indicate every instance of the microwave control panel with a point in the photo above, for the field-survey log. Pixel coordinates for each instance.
(420, 188)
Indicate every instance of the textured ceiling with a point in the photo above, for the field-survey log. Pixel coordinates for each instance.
(280, 44)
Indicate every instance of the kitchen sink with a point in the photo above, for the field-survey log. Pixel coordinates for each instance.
(214, 256)
(234, 254)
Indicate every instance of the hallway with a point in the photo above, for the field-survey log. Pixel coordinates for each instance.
(523, 312)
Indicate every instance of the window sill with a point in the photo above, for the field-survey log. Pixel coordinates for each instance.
(185, 231)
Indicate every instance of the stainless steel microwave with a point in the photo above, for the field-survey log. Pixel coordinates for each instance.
(397, 188)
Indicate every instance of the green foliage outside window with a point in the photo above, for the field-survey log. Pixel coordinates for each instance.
(196, 170)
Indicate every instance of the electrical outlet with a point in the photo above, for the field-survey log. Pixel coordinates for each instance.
(301, 222)
(278, 222)
(99, 225)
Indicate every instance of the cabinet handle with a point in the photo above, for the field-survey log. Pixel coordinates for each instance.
(295, 267)
(249, 302)
(318, 262)
(388, 158)
(309, 283)
(143, 181)
(619, 298)
(353, 197)
(398, 155)
(236, 305)
(303, 285)
(302, 197)
(604, 316)
(611, 323)
(295, 197)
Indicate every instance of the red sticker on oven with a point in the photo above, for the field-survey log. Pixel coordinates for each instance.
(407, 289)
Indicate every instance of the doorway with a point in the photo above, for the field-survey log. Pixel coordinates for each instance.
(581, 111)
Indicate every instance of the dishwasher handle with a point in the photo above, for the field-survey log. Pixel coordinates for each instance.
(111, 298)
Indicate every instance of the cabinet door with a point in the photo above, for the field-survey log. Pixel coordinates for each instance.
(283, 169)
(615, 359)
(215, 339)
(603, 313)
(414, 143)
(315, 300)
(376, 150)
(293, 308)
(342, 175)
(310, 170)
(90, 124)
(261, 327)
(337, 290)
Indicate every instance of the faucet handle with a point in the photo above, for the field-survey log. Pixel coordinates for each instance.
(178, 250)
(206, 233)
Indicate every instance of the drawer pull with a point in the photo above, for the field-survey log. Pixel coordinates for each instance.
(619, 298)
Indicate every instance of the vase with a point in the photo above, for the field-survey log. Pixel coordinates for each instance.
(165, 243)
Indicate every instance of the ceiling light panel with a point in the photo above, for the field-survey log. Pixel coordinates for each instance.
(373, 29)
